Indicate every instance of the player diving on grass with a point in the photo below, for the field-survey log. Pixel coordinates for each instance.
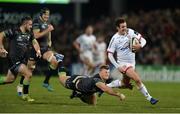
(86, 87)
(42, 31)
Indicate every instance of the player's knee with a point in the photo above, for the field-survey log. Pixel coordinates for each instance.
(10, 79)
(54, 64)
(50, 58)
(32, 67)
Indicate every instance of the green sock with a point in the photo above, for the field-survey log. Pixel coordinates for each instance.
(52, 67)
(61, 73)
(2, 80)
(25, 82)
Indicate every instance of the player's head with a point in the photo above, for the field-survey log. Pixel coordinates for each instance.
(45, 13)
(89, 30)
(104, 72)
(26, 22)
(100, 39)
(121, 25)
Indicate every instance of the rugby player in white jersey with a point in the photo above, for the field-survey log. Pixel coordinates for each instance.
(100, 55)
(85, 45)
(126, 58)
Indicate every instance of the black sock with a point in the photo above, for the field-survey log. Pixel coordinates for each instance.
(21, 80)
(25, 87)
(48, 74)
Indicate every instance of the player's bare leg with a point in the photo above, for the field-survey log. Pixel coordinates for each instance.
(134, 75)
(9, 78)
(54, 60)
(31, 66)
(23, 69)
(89, 67)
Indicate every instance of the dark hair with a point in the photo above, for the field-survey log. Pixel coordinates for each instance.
(104, 67)
(24, 19)
(119, 20)
(43, 11)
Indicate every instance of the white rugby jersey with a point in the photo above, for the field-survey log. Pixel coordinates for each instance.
(86, 42)
(120, 44)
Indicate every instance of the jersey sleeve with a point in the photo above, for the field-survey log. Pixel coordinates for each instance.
(32, 36)
(96, 80)
(36, 24)
(135, 34)
(8, 33)
(79, 39)
(112, 46)
(139, 37)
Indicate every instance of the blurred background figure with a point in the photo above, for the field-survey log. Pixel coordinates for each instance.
(85, 45)
(100, 55)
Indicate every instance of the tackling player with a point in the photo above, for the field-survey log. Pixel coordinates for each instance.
(88, 86)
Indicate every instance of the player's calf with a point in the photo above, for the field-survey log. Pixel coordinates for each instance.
(7, 79)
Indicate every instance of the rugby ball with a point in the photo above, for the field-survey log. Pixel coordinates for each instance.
(133, 41)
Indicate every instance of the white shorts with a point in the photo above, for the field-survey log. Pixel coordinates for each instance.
(87, 55)
(125, 66)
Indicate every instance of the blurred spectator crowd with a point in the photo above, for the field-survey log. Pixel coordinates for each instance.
(160, 28)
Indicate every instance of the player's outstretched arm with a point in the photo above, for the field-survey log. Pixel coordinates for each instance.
(62, 75)
(109, 90)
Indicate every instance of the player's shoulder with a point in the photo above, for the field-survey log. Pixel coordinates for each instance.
(115, 37)
(80, 36)
(36, 20)
(97, 77)
(131, 31)
(93, 37)
(15, 30)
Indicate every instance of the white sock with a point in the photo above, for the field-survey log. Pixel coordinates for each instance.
(115, 83)
(144, 91)
(20, 88)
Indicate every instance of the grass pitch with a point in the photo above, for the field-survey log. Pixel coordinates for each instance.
(59, 101)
